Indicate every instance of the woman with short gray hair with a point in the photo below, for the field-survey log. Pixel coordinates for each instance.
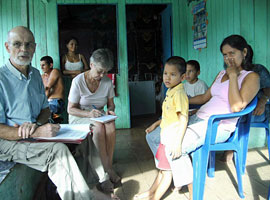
(89, 93)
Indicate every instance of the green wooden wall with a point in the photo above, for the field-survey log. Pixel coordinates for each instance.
(12, 13)
(249, 18)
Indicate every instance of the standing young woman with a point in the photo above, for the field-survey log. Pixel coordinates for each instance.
(73, 63)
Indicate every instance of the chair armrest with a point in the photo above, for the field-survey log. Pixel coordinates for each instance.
(214, 120)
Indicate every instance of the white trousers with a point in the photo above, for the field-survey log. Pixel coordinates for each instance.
(182, 169)
(54, 158)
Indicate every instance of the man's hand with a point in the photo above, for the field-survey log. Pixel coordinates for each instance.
(47, 130)
(26, 129)
(260, 108)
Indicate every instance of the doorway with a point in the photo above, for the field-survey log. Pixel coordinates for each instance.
(149, 41)
(94, 25)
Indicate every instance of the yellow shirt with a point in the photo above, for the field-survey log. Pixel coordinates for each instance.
(176, 101)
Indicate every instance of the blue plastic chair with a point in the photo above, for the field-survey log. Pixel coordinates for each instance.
(264, 125)
(268, 198)
(238, 142)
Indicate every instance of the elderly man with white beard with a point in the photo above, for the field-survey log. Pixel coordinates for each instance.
(24, 113)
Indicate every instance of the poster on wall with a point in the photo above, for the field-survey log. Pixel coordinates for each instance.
(199, 25)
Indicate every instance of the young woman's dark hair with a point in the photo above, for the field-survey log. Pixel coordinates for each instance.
(238, 42)
(71, 38)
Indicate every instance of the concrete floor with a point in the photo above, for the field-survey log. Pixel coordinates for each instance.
(133, 161)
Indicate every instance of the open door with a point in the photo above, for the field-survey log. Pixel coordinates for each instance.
(149, 44)
(166, 18)
(166, 42)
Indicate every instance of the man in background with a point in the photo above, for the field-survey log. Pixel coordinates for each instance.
(53, 84)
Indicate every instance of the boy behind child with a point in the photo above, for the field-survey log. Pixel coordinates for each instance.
(193, 85)
(173, 126)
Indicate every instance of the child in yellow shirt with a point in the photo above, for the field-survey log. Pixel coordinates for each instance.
(173, 126)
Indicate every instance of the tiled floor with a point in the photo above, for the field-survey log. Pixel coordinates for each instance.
(134, 162)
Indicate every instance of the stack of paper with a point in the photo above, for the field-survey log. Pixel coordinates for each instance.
(68, 133)
(105, 118)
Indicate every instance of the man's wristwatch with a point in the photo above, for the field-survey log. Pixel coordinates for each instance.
(266, 97)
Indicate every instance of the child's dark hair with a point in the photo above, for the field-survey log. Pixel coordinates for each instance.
(195, 64)
(179, 62)
(47, 59)
(238, 42)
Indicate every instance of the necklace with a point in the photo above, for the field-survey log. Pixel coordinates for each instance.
(72, 57)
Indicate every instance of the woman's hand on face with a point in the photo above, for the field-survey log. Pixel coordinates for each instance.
(231, 69)
(95, 113)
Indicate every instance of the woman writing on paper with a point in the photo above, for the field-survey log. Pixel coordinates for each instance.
(89, 93)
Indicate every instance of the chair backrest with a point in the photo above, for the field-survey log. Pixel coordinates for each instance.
(214, 120)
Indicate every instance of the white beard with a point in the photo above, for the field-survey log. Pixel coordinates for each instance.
(22, 63)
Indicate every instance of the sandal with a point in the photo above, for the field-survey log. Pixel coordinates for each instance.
(106, 186)
(115, 179)
(117, 183)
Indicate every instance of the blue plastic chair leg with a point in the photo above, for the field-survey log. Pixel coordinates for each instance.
(243, 150)
(268, 141)
(211, 165)
(268, 198)
(199, 174)
(238, 166)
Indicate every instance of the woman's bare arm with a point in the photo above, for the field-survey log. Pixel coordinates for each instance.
(239, 99)
(85, 65)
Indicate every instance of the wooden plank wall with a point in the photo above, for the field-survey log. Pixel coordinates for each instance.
(223, 21)
(12, 13)
(250, 18)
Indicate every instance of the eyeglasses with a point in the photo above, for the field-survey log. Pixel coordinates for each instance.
(100, 69)
(102, 72)
(27, 45)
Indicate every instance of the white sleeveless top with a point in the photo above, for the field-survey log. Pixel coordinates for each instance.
(70, 66)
